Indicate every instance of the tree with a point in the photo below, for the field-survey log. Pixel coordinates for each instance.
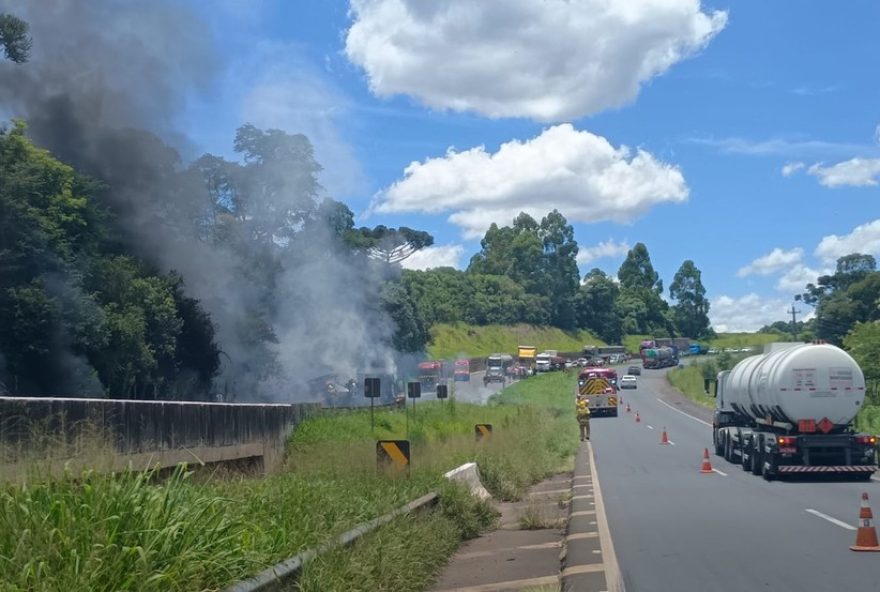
(393, 245)
(14, 38)
(636, 271)
(850, 295)
(560, 268)
(863, 343)
(597, 306)
(410, 333)
(691, 309)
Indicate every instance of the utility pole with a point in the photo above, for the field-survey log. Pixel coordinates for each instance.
(793, 312)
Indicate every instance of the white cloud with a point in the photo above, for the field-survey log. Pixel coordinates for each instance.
(796, 147)
(551, 61)
(605, 249)
(795, 279)
(436, 256)
(580, 174)
(857, 172)
(772, 262)
(863, 239)
(747, 313)
(791, 168)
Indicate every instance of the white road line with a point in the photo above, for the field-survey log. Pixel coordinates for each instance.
(722, 473)
(671, 442)
(649, 427)
(683, 413)
(830, 519)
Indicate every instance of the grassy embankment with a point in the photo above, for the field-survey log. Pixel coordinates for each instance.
(137, 532)
(461, 339)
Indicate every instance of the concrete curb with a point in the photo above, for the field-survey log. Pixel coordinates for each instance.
(287, 571)
(588, 546)
(469, 474)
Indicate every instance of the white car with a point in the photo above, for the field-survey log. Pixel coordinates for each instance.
(628, 381)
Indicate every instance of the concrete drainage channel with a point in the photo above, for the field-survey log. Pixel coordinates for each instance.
(287, 571)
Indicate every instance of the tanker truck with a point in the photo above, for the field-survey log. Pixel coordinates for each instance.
(658, 357)
(791, 411)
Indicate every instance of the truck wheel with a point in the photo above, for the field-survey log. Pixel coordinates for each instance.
(767, 469)
(728, 449)
(757, 460)
(746, 459)
(719, 448)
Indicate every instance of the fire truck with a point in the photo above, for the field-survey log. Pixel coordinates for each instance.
(432, 373)
(599, 386)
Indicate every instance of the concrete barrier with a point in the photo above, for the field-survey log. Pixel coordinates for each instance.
(470, 476)
(118, 433)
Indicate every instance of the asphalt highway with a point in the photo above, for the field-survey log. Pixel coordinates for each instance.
(473, 391)
(675, 529)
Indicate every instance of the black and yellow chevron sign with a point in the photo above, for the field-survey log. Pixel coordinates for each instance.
(594, 386)
(392, 453)
(483, 431)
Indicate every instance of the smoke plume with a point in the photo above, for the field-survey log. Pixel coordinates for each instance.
(102, 89)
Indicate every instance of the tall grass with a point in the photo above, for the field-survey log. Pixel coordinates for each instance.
(689, 380)
(137, 531)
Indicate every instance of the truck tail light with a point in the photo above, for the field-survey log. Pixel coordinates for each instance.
(867, 440)
(786, 441)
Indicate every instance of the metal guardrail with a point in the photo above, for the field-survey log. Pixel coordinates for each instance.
(287, 571)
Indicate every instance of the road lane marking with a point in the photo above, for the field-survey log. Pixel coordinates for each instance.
(706, 423)
(650, 427)
(722, 473)
(831, 519)
(613, 575)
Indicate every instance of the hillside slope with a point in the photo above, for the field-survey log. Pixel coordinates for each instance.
(463, 340)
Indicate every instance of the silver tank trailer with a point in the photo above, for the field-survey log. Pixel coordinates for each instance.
(803, 382)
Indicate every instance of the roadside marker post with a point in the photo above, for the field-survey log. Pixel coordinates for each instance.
(483, 431)
(372, 390)
(393, 454)
(413, 391)
(442, 392)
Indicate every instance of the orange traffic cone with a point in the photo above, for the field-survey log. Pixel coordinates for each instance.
(627, 408)
(866, 537)
(664, 439)
(638, 419)
(707, 466)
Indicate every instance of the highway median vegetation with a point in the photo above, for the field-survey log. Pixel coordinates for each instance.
(154, 532)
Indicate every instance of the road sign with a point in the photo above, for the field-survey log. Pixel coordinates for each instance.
(483, 431)
(372, 388)
(442, 391)
(392, 454)
(413, 390)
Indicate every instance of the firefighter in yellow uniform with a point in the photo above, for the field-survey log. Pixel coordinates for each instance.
(583, 417)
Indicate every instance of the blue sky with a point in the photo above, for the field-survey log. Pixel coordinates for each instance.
(751, 127)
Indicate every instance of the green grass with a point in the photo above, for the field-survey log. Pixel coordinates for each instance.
(632, 342)
(135, 531)
(689, 380)
(744, 339)
(463, 340)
